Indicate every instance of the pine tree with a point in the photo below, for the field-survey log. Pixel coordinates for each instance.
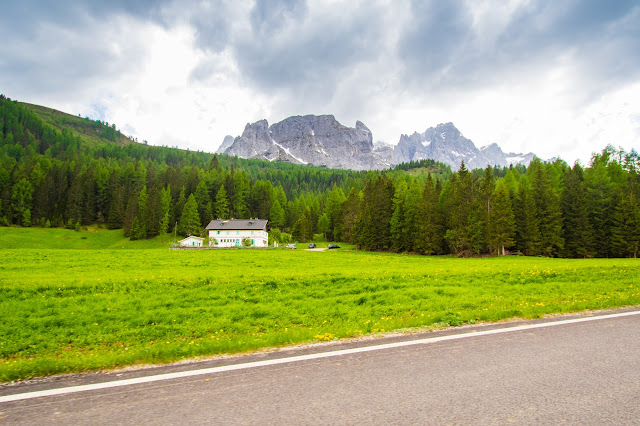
(458, 205)
(153, 212)
(302, 229)
(397, 218)
(203, 200)
(600, 203)
(141, 216)
(548, 209)
(222, 204)
(179, 206)
(350, 213)
(502, 226)
(429, 233)
(625, 230)
(239, 208)
(276, 215)
(21, 198)
(190, 220)
(527, 229)
(323, 224)
(165, 209)
(577, 230)
(335, 200)
(116, 210)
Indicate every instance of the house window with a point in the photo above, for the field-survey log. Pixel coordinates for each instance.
(227, 232)
(251, 232)
(237, 232)
(218, 232)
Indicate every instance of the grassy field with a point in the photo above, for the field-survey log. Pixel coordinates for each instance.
(91, 305)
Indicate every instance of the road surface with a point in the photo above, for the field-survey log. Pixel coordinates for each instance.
(559, 370)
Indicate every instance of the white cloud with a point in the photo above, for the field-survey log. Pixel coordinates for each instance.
(552, 79)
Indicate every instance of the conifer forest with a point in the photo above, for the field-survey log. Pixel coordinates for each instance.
(58, 170)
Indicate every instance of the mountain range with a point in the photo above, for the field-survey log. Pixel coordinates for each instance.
(321, 140)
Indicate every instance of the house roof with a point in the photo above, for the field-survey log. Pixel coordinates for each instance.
(238, 224)
(191, 237)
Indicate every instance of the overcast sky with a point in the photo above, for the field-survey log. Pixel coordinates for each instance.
(558, 78)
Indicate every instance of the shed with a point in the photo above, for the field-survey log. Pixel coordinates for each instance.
(191, 241)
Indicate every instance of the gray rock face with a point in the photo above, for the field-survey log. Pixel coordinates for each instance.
(226, 143)
(319, 140)
(446, 144)
(322, 141)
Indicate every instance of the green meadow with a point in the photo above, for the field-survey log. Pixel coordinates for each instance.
(72, 304)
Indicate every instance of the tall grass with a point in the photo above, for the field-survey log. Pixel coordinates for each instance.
(70, 310)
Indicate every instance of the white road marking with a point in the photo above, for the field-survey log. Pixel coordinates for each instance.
(298, 358)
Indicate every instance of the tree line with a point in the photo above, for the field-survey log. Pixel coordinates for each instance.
(52, 175)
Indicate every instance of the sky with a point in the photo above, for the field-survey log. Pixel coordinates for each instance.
(557, 78)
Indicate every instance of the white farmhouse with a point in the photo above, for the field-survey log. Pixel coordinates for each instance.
(191, 241)
(230, 233)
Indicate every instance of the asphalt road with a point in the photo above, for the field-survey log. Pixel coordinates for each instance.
(574, 373)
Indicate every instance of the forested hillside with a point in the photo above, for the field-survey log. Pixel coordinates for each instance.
(60, 170)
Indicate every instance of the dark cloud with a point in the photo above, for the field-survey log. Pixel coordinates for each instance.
(290, 50)
(439, 51)
(58, 48)
(434, 39)
(268, 17)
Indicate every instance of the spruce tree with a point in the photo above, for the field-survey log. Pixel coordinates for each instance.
(222, 204)
(276, 215)
(333, 207)
(397, 218)
(190, 220)
(527, 228)
(429, 233)
(323, 224)
(625, 229)
(502, 227)
(577, 230)
(165, 209)
(239, 208)
(547, 209)
(203, 200)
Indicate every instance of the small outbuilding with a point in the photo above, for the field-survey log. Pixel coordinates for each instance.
(191, 241)
(238, 232)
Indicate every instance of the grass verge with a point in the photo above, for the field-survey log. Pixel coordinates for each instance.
(69, 310)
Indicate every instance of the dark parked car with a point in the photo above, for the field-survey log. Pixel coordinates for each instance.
(312, 245)
(333, 246)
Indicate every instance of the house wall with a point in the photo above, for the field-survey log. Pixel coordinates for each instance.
(233, 238)
(191, 242)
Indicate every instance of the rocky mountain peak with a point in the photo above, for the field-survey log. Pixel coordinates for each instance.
(322, 141)
(445, 143)
(312, 139)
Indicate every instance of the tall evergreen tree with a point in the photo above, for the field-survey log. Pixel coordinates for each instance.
(276, 215)
(577, 230)
(222, 204)
(165, 209)
(239, 208)
(323, 225)
(625, 230)
(190, 220)
(548, 210)
(21, 199)
(335, 200)
(600, 202)
(429, 233)
(502, 227)
(527, 223)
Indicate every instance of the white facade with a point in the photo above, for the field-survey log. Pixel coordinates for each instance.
(191, 241)
(234, 237)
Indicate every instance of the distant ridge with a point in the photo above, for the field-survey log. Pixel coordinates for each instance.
(322, 141)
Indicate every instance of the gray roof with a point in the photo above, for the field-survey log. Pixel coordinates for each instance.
(238, 224)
